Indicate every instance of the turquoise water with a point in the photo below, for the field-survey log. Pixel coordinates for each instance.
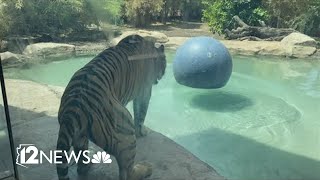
(264, 124)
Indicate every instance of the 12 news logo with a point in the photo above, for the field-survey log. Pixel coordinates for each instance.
(29, 154)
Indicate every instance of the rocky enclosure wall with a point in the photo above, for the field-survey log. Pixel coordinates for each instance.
(295, 45)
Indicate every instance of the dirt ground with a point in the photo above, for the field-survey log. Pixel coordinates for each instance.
(181, 29)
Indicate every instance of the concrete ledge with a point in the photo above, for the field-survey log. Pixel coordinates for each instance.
(170, 161)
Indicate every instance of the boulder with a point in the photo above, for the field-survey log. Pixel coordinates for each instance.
(300, 51)
(299, 39)
(151, 35)
(17, 44)
(49, 50)
(299, 45)
(317, 54)
(89, 48)
(3, 46)
(9, 58)
(90, 35)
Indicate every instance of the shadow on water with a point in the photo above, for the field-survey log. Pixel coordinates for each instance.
(237, 157)
(221, 101)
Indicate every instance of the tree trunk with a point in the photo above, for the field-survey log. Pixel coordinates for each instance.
(256, 33)
(164, 14)
(142, 20)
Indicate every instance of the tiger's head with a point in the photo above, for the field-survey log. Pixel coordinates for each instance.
(147, 49)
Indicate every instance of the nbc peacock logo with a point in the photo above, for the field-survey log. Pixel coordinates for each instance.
(101, 157)
(29, 154)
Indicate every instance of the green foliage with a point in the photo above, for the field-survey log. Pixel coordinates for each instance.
(4, 27)
(283, 11)
(309, 22)
(25, 17)
(108, 11)
(219, 13)
(301, 15)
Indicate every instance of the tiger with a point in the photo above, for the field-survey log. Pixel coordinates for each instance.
(93, 105)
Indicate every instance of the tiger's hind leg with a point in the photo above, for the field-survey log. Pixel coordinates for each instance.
(128, 170)
(63, 145)
(125, 150)
(81, 144)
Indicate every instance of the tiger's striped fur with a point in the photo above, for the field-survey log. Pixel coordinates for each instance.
(93, 104)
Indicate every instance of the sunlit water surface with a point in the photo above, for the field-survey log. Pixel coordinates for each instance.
(264, 124)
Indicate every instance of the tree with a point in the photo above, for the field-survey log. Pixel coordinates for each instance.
(187, 10)
(191, 10)
(140, 12)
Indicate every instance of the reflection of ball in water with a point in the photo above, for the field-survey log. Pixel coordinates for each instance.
(202, 62)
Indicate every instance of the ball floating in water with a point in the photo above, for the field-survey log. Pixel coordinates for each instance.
(202, 62)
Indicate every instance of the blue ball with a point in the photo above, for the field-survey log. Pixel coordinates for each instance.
(202, 62)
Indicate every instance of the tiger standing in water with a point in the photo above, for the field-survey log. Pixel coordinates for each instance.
(93, 106)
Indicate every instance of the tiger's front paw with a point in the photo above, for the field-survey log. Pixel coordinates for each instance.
(142, 131)
(141, 171)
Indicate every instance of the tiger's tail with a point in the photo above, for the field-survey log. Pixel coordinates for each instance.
(64, 142)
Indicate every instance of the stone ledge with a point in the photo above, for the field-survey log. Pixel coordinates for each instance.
(170, 161)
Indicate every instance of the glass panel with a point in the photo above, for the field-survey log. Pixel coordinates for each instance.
(262, 124)
(6, 164)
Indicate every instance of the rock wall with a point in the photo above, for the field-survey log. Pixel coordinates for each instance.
(295, 45)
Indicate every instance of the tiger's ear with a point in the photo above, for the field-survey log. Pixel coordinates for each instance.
(160, 47)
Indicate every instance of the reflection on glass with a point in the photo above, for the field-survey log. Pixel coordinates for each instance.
(6, 168)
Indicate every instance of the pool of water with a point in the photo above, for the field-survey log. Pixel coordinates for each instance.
(264, 124)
